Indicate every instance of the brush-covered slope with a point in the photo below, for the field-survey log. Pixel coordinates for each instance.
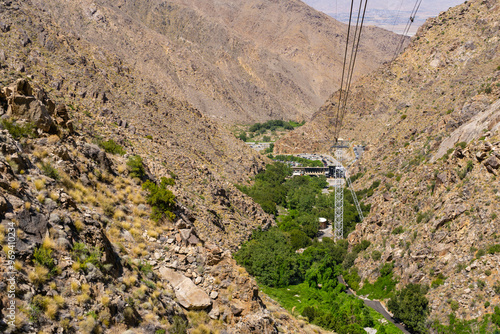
(92, 253)
(237, 61)
(430, 123)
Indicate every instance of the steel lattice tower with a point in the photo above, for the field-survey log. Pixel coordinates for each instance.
(339, 193)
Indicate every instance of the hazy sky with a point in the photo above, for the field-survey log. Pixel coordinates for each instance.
(388, 14)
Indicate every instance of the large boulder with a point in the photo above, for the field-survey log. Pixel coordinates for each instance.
(492, 162)
(23, 104)
(34, 225)
(93, 152)
(188, 294)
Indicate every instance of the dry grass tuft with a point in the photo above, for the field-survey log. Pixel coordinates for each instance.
(121, 169)
(40, 198)
(54, 196)
(39, 275)
(105, 300)
(18, 265)
(118, 215)
(153, 234)
(40, 153)
(79, 225)
(48, 243)
(75, 286)
(39, 184)
(15, 185)
(83, 298)
(130, 280)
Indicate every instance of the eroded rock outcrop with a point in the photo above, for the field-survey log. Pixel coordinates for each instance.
(188, 294)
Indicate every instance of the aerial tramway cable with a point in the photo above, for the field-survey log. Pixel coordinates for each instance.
(397, 15)
(413, 14)
(343, 69)
(342, 102)
(354, 54)
(341, 110)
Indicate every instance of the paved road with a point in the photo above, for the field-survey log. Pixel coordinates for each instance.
(377, 307)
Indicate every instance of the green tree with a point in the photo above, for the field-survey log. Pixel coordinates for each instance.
(111, 146)
(299, 239)
(411, 306)
(243, 136)
(160, 198)
(268, 189)
(136, 167)
(496, 316)
(310, 224)
(269, 256)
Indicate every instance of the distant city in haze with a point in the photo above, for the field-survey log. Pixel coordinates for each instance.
(388, 14)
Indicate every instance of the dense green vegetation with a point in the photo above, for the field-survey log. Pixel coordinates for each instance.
(49, 170)
(111, 146)
(43, 257)
(266, 131)
(136, 167)
(411, 306)
(161, 199)
(19, 131)
(488, 325)
(312, 276)
(302, 197)
(303, 161)
(383, 287)
(271, 255)
(307, 283)
(330, 309)
(83, 255)
(273, 125)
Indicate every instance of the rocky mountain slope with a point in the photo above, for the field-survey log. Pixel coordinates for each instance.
(232, 60)
(89, 257)
(430, 123)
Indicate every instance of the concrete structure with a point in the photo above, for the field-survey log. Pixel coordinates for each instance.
(328, 171)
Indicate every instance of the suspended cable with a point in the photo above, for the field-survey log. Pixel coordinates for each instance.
(407, 27)
(352, 69)
(355, 52)
(343, 67)
(341, 110)
(397, 15)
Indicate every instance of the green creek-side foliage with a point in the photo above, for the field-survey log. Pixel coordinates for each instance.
(307, 282)
(303, 161)
(271, 256)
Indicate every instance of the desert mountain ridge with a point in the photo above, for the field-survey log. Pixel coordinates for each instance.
(235, 61)
(86, 139)
(429, 122)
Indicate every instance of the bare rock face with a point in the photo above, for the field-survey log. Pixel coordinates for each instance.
(6, 173)
(23, 104)
(492, 162)
(34, 225)
(3, 205)
(188, 294)
(93, 152)
(94, 235)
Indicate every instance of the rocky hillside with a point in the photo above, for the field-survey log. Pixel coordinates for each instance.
(430, 123)
(96, 251)
(232, 60)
